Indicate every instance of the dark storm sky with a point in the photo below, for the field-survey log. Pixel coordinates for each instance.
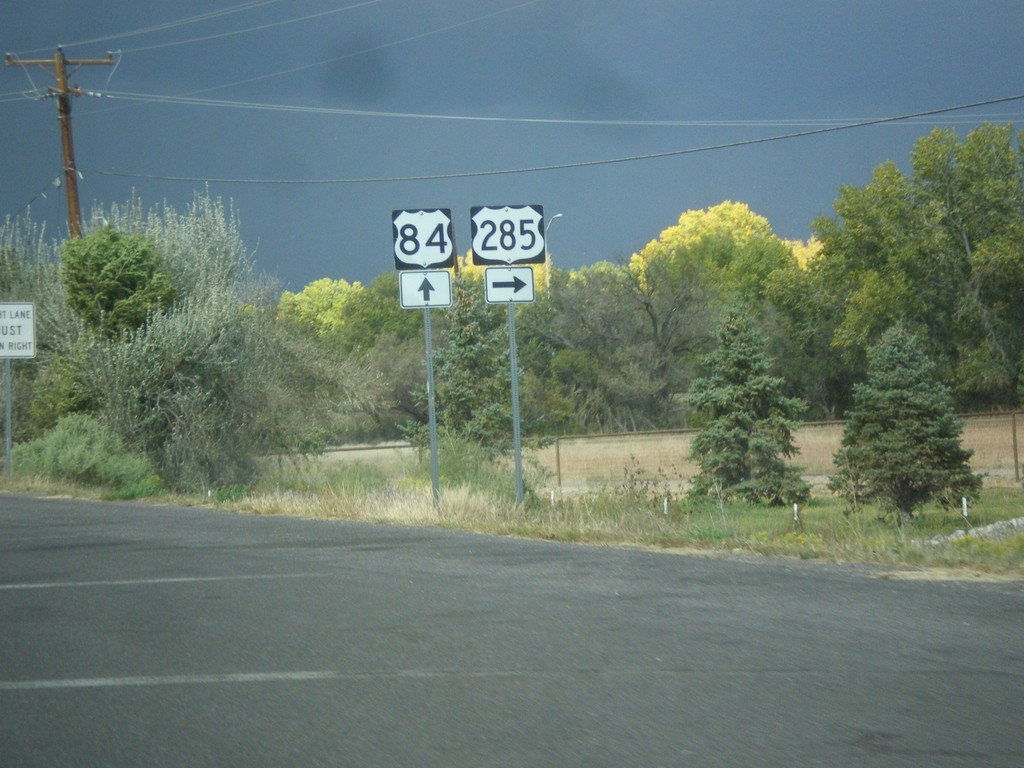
(366, 95)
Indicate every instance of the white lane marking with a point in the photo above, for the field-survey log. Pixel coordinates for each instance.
(240, 677)
(129, 682)
(169, 580)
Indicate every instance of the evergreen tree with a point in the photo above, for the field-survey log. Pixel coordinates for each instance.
(741, 451)
(901, 446)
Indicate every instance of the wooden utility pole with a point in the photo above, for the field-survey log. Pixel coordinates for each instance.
(63, 95)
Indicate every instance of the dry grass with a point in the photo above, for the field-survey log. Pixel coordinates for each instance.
(636, 511)
(462, 508)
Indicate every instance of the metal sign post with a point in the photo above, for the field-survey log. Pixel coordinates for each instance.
(424, 248)
(512, 285)
(517, 440)
(7, 417)
(17, 340)
(435, 464)
(511, 236)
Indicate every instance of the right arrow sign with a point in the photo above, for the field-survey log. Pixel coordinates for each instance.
(505, 284)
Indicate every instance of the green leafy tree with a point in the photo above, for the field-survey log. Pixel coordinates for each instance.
(376, 313)
(397, 370)
(802, 336)
(365, 325)
(615, 345)
(115, 281)
(351, 317)
(201, 248)
(586, 355)
(726, 251)
(902, 444)
(206, 390)
(980, 180)
(741, 452)
(321, 306)
(939, 250)
(680, 283)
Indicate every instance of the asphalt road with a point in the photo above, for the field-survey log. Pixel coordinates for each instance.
(158, 636)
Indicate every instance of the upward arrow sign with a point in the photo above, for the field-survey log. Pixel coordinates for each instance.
(418, 290)
(425, 288)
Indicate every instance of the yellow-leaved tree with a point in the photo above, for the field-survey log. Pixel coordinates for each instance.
(322, 305)
(682, 281)
(727, 246)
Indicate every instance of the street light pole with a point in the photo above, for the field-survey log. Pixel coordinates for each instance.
(547, 263)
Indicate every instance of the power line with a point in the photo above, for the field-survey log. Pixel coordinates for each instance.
(258, 28)
(289, 71)
(586, 163)
(7, 98)
(41, 193)
(269, 107)
(166, 25)
(185, 97)
(63, 93)
(385, 46)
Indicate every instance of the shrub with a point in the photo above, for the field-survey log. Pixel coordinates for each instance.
(162, 331)
(82, 450)
(114, 281)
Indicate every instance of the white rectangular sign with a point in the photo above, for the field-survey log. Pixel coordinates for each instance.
(17, 329)
(430, 288)
(505, 284)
